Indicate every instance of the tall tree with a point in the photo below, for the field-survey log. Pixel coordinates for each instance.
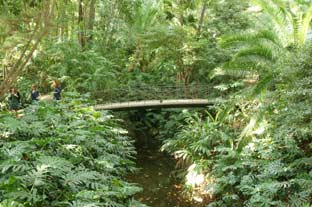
(91, 20)
(41, 30)
(81, 28)
(202, 16)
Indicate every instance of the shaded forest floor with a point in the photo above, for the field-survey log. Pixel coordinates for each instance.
(160, 187)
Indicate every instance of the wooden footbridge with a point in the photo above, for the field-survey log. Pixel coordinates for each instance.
(160, 96)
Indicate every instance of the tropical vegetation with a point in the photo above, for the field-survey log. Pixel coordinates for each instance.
(252, 147)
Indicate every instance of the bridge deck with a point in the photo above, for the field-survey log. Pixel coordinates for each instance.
(174, 103)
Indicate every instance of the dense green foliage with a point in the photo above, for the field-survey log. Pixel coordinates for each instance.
(132, 41)
(254, 149)
(64, 155)
(257, 153)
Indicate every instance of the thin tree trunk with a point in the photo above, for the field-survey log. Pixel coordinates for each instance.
(91, 21)
(110, 21)
(81, 35)
(15, 72)
(202, 16)
(65, 23)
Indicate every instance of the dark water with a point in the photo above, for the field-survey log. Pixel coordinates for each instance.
(160, 188)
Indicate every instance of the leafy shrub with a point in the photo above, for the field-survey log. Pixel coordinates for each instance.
(83, 71)
(63, 154)
(267, 162)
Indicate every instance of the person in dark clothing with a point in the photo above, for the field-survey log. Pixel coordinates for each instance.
(34, 93)
(57, 90)
(14, 99)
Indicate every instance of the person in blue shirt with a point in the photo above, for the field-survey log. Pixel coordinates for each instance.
(34, 93)
(57, 90)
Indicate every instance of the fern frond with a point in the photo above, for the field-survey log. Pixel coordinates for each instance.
(80, 177)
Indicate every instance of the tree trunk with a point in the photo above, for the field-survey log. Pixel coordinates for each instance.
(202, 16)
(44, 19)
(110, 21)
(81, 33)
(64, 27)
(91, 21)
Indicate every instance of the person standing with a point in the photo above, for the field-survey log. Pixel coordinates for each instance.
(14, 99)
(34, 93)
(57, 90)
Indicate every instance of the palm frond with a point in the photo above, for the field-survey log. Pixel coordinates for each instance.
(296, 24)
(305, 24)
(243, 39)
(256, 53)
(249, 65)
(263, 84)
(275, 9)
(284, 17)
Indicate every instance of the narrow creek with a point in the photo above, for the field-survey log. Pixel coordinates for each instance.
(160, 188)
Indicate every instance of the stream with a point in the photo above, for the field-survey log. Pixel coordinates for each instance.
(160, 188)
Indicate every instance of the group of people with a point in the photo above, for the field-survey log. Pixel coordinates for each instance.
(15, 97)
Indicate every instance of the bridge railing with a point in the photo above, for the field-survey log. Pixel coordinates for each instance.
(155, 92)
